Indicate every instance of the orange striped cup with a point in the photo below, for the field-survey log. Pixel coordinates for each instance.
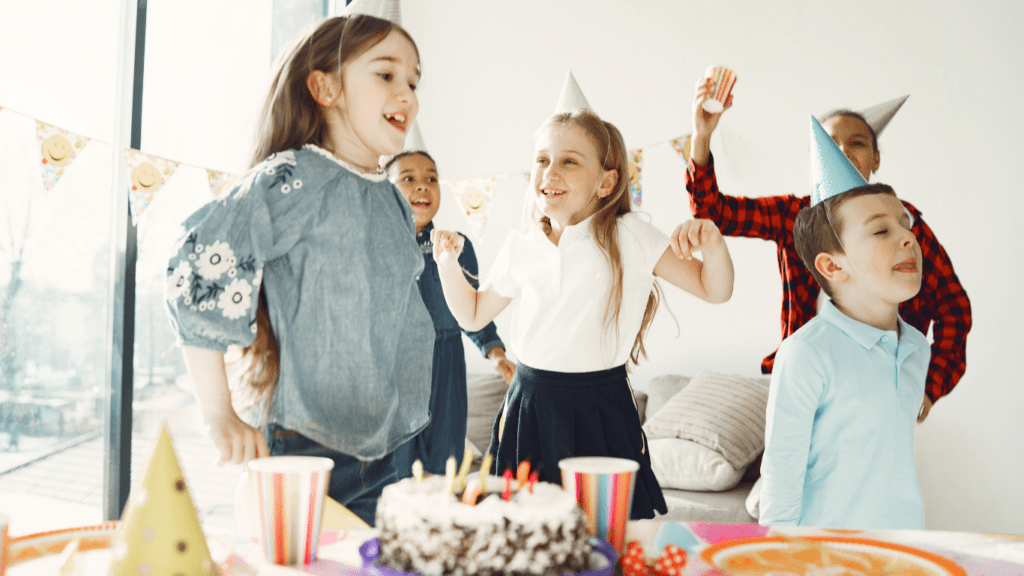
(290, 494)
(723, 79)
(604, 488)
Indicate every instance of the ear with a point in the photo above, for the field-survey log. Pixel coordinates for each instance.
(878, 160)
(323, 88)
(609, 179)
(829, 268)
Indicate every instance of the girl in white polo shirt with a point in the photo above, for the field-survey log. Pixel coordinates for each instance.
(583, 271)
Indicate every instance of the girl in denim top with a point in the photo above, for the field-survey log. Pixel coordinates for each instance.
(310, 264)
(582, 273)
(415, 174)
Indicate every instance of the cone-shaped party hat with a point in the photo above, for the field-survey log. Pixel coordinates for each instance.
(159, 532)
(572, 97)
(832, 173)
(386, 9)
(414, 141)
(879, 115)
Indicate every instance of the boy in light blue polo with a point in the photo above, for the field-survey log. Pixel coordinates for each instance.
(847, 386)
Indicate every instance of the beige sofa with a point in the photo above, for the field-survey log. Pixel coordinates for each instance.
(485, 395)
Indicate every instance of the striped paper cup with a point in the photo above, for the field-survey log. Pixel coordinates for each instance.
(723, 79)
(604, 489)
(290, 494)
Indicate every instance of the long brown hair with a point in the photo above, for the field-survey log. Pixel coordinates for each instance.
(608, 142)
(290, 119)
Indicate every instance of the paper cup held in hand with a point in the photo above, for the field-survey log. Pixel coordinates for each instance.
(289, 493)
(722, 81)
(604, 488)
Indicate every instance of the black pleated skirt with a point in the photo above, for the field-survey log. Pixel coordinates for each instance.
(547, 416)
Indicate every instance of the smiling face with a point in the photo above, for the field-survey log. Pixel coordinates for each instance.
(378, 103)
(882, 255)
(567, 178)
(854, 138)
(146, 177)
(416, 177)
(57, 150)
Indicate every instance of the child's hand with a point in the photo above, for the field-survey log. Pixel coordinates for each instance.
(447, 245)
(704, 122)
(926, 407)
(236, 441)
(695, 236)
(502, 365)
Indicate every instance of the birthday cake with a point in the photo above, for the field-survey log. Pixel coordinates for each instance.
(426, 529)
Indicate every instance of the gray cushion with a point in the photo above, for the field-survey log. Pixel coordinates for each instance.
(486, 392)
(688, 506)
(661, 389)
(724, 412)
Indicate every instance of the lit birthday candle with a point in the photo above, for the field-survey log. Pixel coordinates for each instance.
(523, 474)
(467, 462)
(449, 475)
(472, 492)
(485, 471)
(417, 471)
(507, 495)
(533, 480)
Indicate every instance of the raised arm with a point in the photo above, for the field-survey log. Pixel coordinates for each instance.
(472, 309)
(486, 339)
(710, 280)
(768, 218)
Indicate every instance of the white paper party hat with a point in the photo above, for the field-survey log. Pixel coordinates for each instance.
(414, 141)
(879, 115)
(386, 9)
(832, 173)
(572, 97)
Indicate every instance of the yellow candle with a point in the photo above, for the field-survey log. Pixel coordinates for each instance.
(485, 470)
(417, 471)
(467, 462)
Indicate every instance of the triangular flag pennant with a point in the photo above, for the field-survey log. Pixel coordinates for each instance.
(473, 196)
(414, 141)
(58, 148)
(636, 166)
(148, 174)
(386, 9)
(832, 173)
(219, 182)
(682, 146)
(879, 115)
(572, 97)
(159, 532)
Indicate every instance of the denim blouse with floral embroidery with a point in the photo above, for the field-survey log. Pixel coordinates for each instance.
(337, 256)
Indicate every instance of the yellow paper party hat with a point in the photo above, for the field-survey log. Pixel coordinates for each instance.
(159, 532)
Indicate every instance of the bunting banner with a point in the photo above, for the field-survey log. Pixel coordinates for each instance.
(682, 146)
(473, 196)
(636, 166)
(58, 148)
(219, 182)
(148, 174)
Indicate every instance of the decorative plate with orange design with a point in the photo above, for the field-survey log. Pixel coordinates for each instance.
(39, 554)
(835, 556)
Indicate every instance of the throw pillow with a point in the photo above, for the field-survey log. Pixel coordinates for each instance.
(686, 465)
(661, 389)
(754, 499)
(485, 392)
(723, 412)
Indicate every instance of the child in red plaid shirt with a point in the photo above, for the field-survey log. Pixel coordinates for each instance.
(942, 302)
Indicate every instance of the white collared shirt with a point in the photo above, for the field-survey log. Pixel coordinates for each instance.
(561, 293)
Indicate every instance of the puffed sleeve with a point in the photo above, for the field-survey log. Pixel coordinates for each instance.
(648, 243)
(214, 274)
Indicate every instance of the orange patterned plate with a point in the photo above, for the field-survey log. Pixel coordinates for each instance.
(827, 554)
(28, 554)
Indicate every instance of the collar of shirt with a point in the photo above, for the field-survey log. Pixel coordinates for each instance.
(864, 334)
(573, 233)
(423, 236)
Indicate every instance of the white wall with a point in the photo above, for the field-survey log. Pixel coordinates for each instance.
(492, 73)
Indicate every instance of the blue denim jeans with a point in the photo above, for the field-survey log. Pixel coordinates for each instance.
(356, 484)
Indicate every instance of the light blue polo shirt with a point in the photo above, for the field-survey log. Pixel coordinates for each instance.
(839, 441)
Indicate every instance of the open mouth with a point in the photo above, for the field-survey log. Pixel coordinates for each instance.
(552, 192)
(420, 203)
(397, 119)
(908, 265)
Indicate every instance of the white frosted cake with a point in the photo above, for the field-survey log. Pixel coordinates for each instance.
(427, 530)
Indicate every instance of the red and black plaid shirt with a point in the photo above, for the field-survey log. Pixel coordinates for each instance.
(942, 299)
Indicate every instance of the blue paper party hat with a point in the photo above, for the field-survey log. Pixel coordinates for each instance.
(832, 173)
